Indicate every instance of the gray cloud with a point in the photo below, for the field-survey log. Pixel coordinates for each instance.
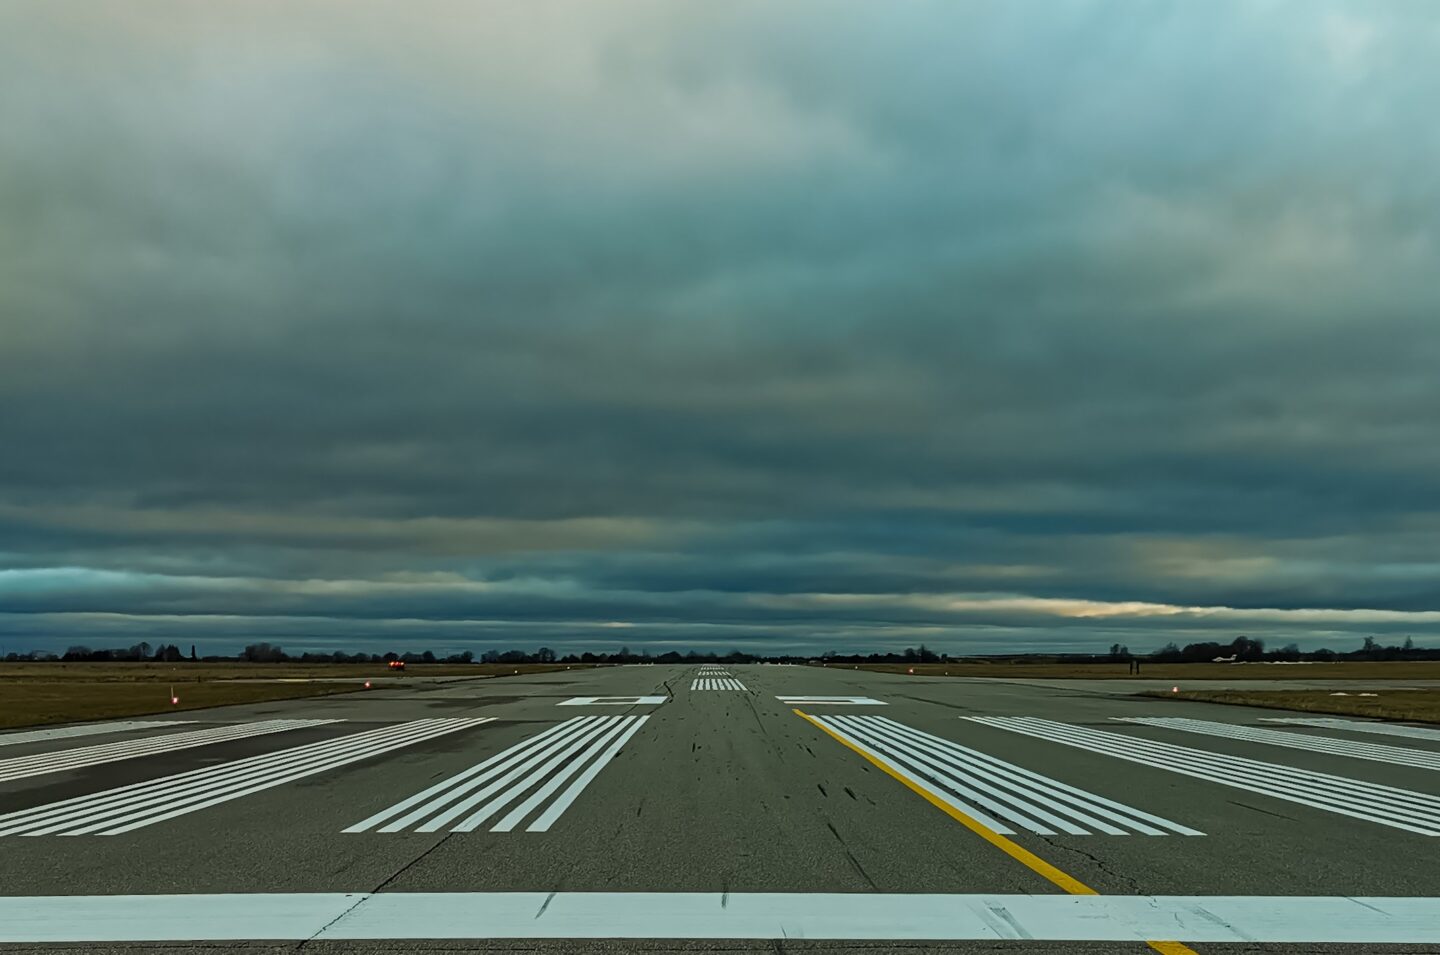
(675, 316)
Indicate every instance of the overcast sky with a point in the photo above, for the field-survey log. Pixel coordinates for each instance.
(995, 326)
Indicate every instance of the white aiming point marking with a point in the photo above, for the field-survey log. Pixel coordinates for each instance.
(831, 700)
(613, 701)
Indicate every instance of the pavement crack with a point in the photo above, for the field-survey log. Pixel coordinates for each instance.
(1099, 863)
(360, 900)
(546, 904)
(1246, 805)
(821, 787)
(850, 855)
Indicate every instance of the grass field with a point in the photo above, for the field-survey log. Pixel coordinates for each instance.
(1421, 706)
(34, 694)
(1429, 670)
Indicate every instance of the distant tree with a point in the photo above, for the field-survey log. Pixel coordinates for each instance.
(544, 655)
(192, 651)
(262, 653)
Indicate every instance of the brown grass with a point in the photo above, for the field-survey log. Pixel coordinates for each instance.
(1422, 706)
(34, 694)
(1428, 670)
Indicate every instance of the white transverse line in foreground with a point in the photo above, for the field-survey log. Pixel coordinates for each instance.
(1386, 805)
(1297, 920)
(989, 789)
(90, 729)
(478, 793)
(1358, 726)
(831, 700)
(41, 763)
(1376, 752)
(132, 807)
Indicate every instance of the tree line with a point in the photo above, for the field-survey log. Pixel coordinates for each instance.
(1242, 649)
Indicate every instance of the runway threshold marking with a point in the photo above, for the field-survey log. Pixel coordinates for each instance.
(39, 764)
(878, 916)
(92, 729)
(1014, 850)
(968, 779)
(1330, 745)
(613, 701)
(1357, 726)
(127, 808)
(716, 683)
(579, 747)
(1385, 805)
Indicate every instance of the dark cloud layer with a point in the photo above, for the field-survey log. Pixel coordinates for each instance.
(741, 325)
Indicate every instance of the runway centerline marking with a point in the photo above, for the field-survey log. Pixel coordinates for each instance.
(1019, 853)
(831, 701)
(613, 701)
(878, 916)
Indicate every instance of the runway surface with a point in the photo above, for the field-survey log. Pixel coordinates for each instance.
(729, 808)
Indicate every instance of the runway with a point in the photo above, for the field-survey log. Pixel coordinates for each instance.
(736, 808)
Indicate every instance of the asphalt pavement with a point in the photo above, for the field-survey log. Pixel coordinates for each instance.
(722, 808)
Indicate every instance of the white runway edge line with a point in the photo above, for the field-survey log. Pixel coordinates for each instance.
(468, 799)
(90, 729)
(1384, 805)
(1295, 920)
(1358, 726)
(1376, 752)
(143, 804)
(991, 790)
(716, 683)
(23, 766)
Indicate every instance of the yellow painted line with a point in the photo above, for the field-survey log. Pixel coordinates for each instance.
(1013, 849)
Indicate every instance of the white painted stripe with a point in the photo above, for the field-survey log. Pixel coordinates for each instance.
(142, 804)
(1008, 791)
(90, 729)
(1360, 726)
(1376, 752)
(944, 796)
(613, 701)
(1385, 805)
(494, 764)
(831, 700)
(167, 788)
(542, 763)
(70, 759)
(580, 744)
(1279, 920)
(563, 801)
